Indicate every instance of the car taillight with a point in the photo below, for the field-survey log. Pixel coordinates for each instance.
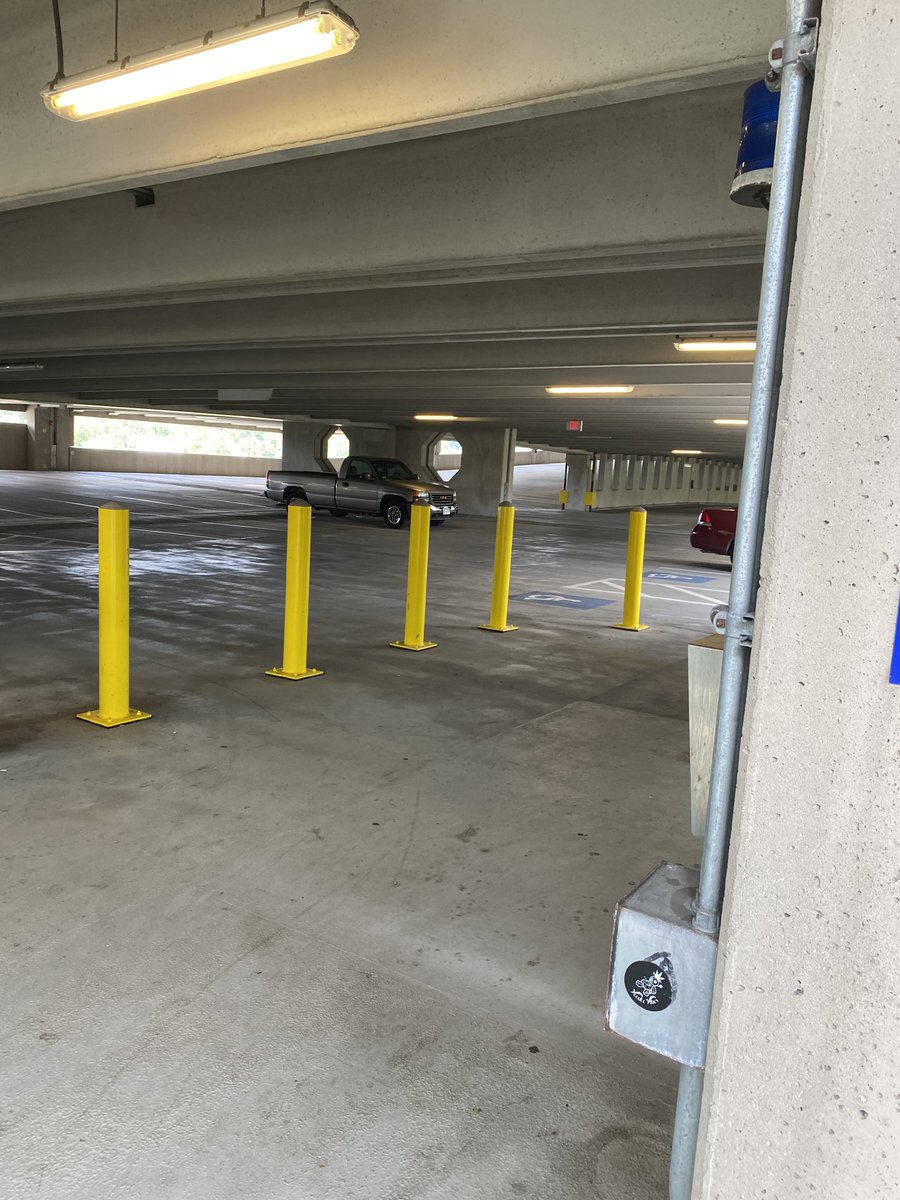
(704, 519)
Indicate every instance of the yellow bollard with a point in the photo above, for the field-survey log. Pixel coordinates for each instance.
(590, 499)
(417, 579)
(296, 594)
(502, 564)
(634, 570)
(563, 498)
(112, 560)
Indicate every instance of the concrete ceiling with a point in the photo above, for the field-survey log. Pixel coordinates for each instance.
(461, 272)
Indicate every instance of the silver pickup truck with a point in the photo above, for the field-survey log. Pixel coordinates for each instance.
(380, 486)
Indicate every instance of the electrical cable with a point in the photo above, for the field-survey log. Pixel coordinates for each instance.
(57, 25)
(116, 34)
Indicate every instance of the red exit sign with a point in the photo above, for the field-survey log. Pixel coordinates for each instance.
(574, 426)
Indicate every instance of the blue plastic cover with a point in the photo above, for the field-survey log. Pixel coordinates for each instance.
(758, 125)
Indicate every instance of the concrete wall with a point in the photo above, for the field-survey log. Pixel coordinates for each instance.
(479, 483)
(13, 447)
(801, 1094)
(156, 463)
(302, 445)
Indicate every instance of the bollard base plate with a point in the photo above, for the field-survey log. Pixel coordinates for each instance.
(630, 628)
(280, 673)
(407, 646)
(95, 718)
(499, 628)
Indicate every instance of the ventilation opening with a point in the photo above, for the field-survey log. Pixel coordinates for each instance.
(446, 456)
(337, 447)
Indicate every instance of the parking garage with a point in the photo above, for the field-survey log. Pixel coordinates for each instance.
(350, 935)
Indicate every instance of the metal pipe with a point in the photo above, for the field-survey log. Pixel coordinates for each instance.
(767, 369)
(780, 237)
(684, 1137)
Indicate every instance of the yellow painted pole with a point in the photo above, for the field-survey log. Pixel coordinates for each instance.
(503, 546)
(634, 571)
(296, 594)
(112, 561)
(417, 579)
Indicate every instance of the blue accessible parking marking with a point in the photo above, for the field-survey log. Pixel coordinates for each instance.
(676, 578)
(561, 600)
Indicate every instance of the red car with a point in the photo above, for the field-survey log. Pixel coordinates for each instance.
(714, 531)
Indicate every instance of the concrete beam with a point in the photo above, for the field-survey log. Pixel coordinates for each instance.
(482, 66)
(535, 196)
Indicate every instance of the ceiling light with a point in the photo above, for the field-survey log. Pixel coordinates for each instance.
(687, 451)
(717, 345)
(303, 34)
(612, 389)
(434, 417)
(730, 421)
(21, 366)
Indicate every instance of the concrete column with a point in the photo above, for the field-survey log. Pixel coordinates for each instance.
(301, 445)
(40, 437)
(486, 463)
(62, 436)
(578, 480)
(801, 1085)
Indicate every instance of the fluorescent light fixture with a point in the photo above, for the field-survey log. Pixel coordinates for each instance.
(717, 345)
(687, 451)
(434, 417)
(303, 34)
(21, 366)
(730, 421)
(611, 389)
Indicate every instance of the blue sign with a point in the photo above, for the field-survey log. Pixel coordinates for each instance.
(561, 600)
(672, 578)
(894, 676)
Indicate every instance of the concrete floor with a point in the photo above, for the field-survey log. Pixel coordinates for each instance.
(346, 938)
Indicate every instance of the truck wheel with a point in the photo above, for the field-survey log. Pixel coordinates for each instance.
(338, 512)
(395, 513)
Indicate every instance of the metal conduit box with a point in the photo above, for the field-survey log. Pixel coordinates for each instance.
(662, 969)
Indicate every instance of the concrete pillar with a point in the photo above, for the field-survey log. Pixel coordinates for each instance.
(301, 446)
(40, 438)
(578, 480)
(801, 1084)
(485, 473)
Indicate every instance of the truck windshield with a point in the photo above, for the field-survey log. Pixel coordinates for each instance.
(390, 469)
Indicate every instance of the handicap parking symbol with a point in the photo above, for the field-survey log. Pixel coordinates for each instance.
(561, 600)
